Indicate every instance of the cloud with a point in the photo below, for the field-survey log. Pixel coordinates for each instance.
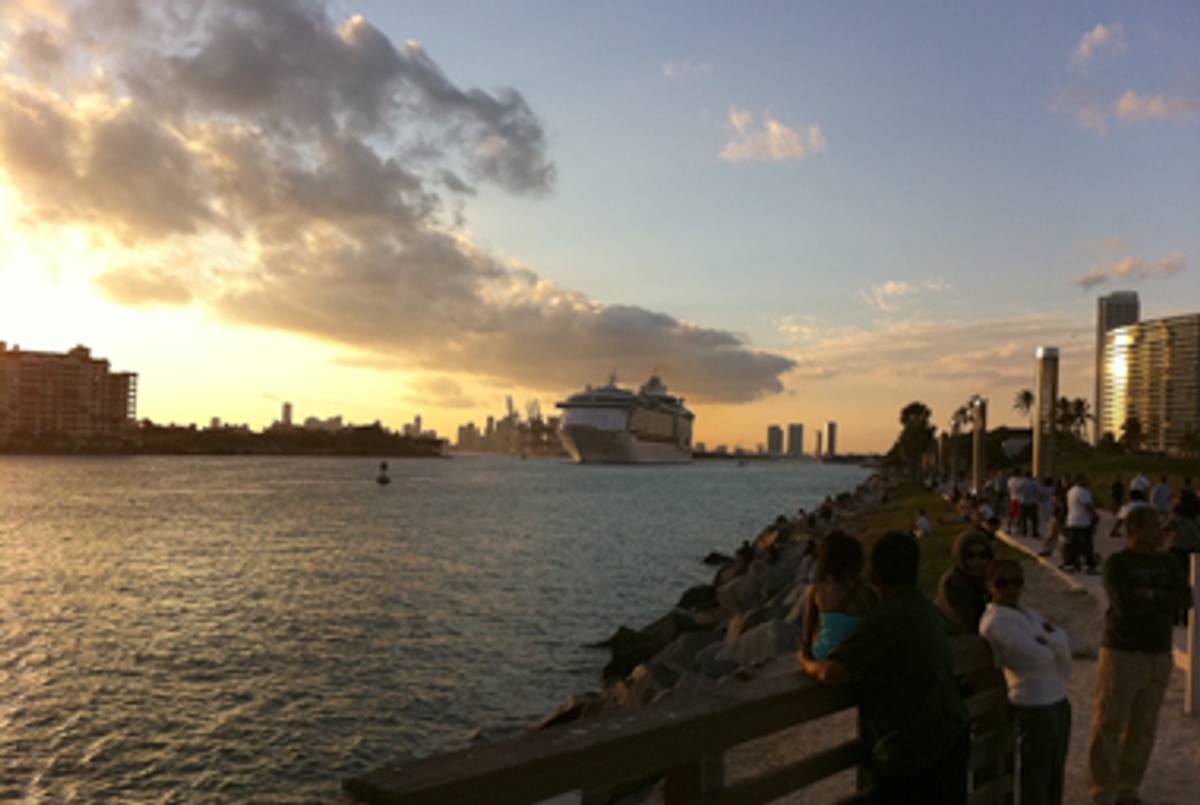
(1134, 108)
(798, 328)
(887, 296)
(284, 169)
(440, 392)
(1133, 268)
(136, 287)
(686, 68)
(1087, 107)
(970, 353)
(775, 142)
(1102, 38)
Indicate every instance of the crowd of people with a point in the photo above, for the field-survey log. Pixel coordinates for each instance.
(890, 641)
(1064, 512)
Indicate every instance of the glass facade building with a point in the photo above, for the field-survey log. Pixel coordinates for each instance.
(1151, 373)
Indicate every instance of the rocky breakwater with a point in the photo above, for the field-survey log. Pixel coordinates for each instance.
(748, 621)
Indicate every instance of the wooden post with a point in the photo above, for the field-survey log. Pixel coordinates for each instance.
(1191, 700)
(694, 780)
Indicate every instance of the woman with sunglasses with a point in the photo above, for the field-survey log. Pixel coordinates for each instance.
(962, 591)
(1036, 659)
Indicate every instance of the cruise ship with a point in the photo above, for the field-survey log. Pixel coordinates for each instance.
(612, 425)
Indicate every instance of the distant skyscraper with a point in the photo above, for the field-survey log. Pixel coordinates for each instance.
(286, 418)
(1115, 310)
(795, 440)
(1046, 380)
(831, 446)
(817, 453)
(775, 440)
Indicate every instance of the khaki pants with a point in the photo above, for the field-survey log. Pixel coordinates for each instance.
(1129, 693)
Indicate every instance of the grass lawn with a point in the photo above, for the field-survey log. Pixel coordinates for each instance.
(900, 513)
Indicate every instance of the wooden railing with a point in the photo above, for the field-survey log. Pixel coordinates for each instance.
(683, 739)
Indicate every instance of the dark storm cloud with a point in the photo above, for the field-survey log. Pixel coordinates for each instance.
(309, 158)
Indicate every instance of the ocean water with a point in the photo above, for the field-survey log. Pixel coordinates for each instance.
(177, 629)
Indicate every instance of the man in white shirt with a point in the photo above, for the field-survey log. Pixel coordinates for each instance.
(1160, 497)
(1136, 501)
(1081, 523)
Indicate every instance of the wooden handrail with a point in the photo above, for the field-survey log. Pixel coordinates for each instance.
(679, 737)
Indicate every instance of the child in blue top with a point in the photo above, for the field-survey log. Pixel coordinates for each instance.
(839, 596)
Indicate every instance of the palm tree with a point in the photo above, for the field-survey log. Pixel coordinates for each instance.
(1023, 403)
(1080, 416)
(1190, 442)
(1131, 434)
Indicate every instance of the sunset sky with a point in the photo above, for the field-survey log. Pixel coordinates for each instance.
(795, 211)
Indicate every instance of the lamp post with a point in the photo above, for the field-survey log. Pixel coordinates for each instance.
(978, 432)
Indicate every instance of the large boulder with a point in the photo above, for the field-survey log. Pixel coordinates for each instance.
(577, 706)
(743, 622)
(701, 596)
(718, 559)
(762, 643)
(630, 648)
(742, 593)
(678, 655)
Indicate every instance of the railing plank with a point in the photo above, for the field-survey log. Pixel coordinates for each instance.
(671, 737)
(987, 701)
(778, 782)
(991, 747)
(597, 752)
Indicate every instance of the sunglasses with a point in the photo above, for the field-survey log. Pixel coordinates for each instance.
(977, 555)
(1001, 584)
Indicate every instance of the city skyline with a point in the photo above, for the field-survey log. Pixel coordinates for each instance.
(789, 214)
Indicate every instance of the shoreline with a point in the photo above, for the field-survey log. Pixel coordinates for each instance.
(739, 625)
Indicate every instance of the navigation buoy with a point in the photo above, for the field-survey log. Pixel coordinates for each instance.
(382, 479)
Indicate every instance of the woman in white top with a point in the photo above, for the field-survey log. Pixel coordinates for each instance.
(1036, 659)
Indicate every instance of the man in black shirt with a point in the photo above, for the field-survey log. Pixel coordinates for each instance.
(911, 716)
(1145, 588)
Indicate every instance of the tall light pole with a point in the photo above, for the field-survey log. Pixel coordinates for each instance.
(978, 432)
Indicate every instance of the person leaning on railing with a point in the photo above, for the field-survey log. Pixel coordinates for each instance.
(912, 719)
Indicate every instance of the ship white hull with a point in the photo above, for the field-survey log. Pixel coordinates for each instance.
(590, 445)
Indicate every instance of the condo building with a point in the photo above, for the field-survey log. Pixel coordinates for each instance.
(71, 394)
(1150, 372)
(795, 440)
(831, 439)
(1117, 309)
(775, 440)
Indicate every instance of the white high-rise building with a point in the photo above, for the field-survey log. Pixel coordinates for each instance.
(1115, 310)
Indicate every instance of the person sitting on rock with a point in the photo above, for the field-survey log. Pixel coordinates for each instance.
(962, 591)
(838, 599)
